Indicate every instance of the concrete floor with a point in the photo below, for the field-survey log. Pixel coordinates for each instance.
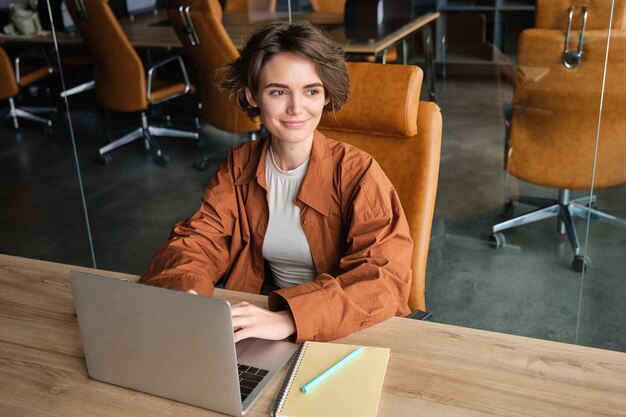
(526, 288)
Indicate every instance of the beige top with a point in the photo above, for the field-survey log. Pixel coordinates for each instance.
(285, 247)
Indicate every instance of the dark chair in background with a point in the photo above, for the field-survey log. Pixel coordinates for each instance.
(554, 122)
(387, 120)
(120, 76)
(15, 78)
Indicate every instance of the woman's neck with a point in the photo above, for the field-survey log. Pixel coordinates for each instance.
(288, 156)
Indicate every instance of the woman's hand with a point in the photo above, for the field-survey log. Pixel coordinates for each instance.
(252, 321)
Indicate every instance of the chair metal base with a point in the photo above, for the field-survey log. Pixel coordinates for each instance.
(565, 210)
(14, 113)
(89, 85)
(147, 132)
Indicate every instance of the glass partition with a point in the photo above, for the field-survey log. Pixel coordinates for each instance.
(603, 288)
(508, 101)
(42, 208)
(531, 106)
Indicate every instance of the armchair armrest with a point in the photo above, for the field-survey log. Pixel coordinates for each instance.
(183, 70)
(30, 52)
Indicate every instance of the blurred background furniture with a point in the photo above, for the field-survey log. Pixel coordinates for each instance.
(337, 6)
(198, 24)
(387, 120)
(15, 78)
(554, 122)
(120, 76)
(250, 5)
(328, 6)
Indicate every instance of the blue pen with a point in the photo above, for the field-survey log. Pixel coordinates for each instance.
(307, 387)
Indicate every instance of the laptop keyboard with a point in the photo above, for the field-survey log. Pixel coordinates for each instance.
(249, 378)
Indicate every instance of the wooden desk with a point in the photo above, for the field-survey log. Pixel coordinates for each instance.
(434, 369)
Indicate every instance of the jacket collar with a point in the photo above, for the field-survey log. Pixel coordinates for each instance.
(316, 187)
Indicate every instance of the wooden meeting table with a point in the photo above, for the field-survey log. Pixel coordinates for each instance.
(434, 369)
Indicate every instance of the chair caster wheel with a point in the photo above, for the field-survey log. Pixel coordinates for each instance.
(581, 263)
(161, 160)
(202, 164)
(105, 159)
(497, 240)
(508, 209)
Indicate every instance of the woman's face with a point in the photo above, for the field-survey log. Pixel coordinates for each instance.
(291, 98)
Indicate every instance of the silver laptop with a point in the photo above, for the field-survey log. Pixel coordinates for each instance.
(172, 344)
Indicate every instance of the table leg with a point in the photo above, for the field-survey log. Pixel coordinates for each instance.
(405, 52)
(427, 40)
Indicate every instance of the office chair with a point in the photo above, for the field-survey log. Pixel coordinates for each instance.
(13, 79)
(386, 120)
(198, 24)
(120, 76)
(250, 5)
(552, 129)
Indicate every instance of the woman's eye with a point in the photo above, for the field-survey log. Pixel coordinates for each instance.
(312, 92)
(277, 93)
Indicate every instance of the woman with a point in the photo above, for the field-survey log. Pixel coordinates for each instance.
(312, 221)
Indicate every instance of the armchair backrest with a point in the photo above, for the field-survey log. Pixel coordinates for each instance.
(210, 48)
(386, 119)
(552, 14)
(8, 84)
(119, 73)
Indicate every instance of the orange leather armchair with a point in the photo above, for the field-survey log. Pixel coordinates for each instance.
(198, 24)
(552, 135)
(387, 120)
(13, 79)
(121, 82)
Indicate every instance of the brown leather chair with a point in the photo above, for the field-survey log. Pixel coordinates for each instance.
(13, 79)
(121, 83)
(552, 135)
(387, 120)
(198, 24)
(250, 5)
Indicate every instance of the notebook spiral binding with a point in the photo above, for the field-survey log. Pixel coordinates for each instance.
(283, 393)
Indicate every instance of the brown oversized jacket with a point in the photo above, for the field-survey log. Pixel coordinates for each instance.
(353, 222)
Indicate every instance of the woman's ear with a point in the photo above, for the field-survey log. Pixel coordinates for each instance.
(250, 98)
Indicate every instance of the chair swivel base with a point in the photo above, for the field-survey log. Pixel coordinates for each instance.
(146, 132)
(565, 210)
(16, 113)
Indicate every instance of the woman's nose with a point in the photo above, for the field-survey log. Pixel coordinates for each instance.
(295, 105)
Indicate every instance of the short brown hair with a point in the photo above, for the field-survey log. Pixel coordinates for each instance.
(299, 38)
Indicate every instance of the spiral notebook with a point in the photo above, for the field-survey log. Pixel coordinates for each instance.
(353, 390)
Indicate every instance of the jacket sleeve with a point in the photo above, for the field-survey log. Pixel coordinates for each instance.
(375, 273)
(197, 253)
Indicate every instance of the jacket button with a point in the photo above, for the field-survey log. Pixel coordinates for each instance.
(306, 221)
(316, 338)
(320, 265)
(363, 323)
